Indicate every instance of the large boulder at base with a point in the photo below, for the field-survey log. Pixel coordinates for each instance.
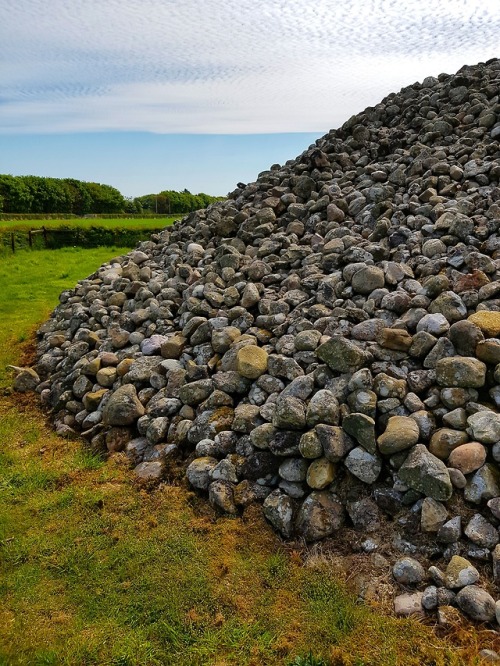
(123, 407)
(320, 516)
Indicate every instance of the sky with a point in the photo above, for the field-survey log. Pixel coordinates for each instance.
(147, 95)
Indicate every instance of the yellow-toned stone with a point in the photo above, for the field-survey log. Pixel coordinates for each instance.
(488, 322)
(320, 474)
(251, 361)
(92, 367)
(92, 399)
(124, 366)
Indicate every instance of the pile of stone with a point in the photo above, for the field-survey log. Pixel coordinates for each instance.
(449, 589)
(325, 341)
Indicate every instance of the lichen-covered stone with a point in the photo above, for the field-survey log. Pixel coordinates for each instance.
(123, 408)
(424, 472)
(252, 361)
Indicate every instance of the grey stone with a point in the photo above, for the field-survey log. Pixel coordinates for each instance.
(408, 604)
(485, 426)
(279, 510)
(323, 407)
(123, 407)
(476, 603)
(320, 515)
(363, 465)
(341, 355)
(198, 472)
(424, 472)
(484, 485)
(481, 532)
(408, 571)
(149, 471)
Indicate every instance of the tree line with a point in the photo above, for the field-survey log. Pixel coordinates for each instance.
(37, 194)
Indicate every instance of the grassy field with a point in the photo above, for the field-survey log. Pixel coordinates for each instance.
(87, 223)
(31, 283)
(97, 570)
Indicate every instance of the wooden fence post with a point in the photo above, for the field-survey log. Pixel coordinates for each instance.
(30, 239)
(12, 242)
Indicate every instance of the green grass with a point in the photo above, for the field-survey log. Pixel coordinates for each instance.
(87, 223)
(96, 570)
(31, 284)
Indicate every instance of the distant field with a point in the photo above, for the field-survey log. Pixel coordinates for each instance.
(87, 223)
(31, 284)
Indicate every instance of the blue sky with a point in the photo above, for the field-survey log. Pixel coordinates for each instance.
(165, 94)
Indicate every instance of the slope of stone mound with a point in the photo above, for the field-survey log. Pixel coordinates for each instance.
(325, 341)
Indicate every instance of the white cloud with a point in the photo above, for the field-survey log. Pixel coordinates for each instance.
(224, 66)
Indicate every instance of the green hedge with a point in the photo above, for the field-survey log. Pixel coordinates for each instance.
(67, 236)
(70, 216)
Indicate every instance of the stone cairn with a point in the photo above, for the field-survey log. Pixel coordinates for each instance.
(324, 341)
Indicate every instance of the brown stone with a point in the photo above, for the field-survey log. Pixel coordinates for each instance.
(395, 338)
(468, 457)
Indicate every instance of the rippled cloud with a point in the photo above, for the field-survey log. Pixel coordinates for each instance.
(222, 66)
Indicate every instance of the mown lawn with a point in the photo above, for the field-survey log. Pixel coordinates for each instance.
(97, 570)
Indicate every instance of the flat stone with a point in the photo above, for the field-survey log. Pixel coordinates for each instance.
(397, 339)
(408, 604)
